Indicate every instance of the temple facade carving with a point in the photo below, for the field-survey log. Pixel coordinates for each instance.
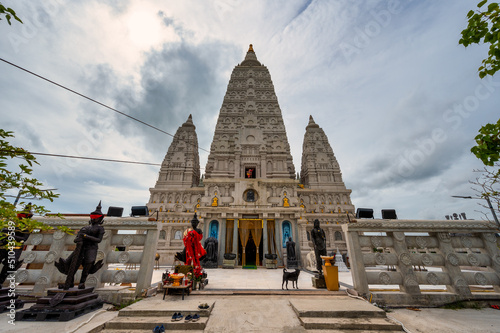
(250, 198)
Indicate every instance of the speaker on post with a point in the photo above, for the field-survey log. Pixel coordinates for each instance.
(364, 213)
(389, 214)
(115, 211)
(139, 211)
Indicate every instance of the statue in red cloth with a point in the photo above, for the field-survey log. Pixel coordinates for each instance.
(194, 252)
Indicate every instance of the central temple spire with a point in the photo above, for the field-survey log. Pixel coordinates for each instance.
(250, 139)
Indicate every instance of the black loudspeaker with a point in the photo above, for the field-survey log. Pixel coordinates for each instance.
(115, 211)
(389, 214)
(364, 213)
(139, 211)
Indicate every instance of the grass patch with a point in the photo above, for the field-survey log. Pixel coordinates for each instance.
(118, 307)
(463, 305)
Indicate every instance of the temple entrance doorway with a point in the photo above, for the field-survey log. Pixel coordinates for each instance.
(250, 246)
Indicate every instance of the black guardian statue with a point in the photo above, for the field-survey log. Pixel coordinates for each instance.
(85, 254)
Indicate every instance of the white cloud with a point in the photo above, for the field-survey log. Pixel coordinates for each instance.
(402, 80)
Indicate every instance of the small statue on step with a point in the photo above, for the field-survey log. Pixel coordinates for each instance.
(319, 242)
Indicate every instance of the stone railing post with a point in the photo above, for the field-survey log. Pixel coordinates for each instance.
(147, 261)
(404, 265)
(358, 272)
(451, 265)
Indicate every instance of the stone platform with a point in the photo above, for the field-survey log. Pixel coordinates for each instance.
(76, 302)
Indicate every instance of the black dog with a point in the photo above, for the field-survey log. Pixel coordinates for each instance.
(290, 276)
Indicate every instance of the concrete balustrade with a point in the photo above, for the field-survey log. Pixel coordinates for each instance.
(142, 238)
(410, 262)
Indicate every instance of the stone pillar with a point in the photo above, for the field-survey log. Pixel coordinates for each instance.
(147, 261)
(490, 245)
(237, 165)
(297, 242)
(303, 236)
(235, 239)
(205, 230)
(405, 268)
(358, 272)
(331, 233)
(459, 284)
(263, 166)
(279, 237)
(169, 236)
(264, 238)
(222, 241)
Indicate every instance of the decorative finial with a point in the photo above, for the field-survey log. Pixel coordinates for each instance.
(312, 124)
(189, 122)
(250, 49)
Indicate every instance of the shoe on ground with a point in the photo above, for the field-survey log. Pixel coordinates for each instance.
(188, 318)
(195, 317)
(174, 316)
(162, 329)
(156, 329)
(179, 316)
(203, 306)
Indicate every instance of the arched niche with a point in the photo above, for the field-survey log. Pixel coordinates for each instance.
(286, 231)
(213, 230)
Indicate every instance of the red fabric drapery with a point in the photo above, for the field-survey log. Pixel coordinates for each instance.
(194, 251)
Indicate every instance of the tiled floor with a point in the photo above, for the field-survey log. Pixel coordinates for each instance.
(260, 278)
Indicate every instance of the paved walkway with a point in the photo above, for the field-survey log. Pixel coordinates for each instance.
(266, 313)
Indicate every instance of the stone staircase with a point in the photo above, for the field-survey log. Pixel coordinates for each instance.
(134, 320)
(334, 316)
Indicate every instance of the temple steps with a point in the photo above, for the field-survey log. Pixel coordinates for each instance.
(342, 324)
(268, 292)
(352, 331)
(136, 323)
(351, 315)
(146, 315)
(169, 330)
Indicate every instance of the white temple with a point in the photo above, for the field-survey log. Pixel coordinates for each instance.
(250, 199)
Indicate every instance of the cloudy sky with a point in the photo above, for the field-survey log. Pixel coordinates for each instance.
(397, 96)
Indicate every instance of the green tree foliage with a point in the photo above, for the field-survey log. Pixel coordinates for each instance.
(18, 180)
(8, 13)
(488, 144)
(484, 26)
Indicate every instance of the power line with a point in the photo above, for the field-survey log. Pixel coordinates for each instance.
(95, 101)
(81, 157)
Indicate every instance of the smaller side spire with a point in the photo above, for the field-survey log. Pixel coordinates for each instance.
(189, 122)
(311, 123)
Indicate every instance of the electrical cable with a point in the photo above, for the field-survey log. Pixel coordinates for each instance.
(83, 157)
(95, 101)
